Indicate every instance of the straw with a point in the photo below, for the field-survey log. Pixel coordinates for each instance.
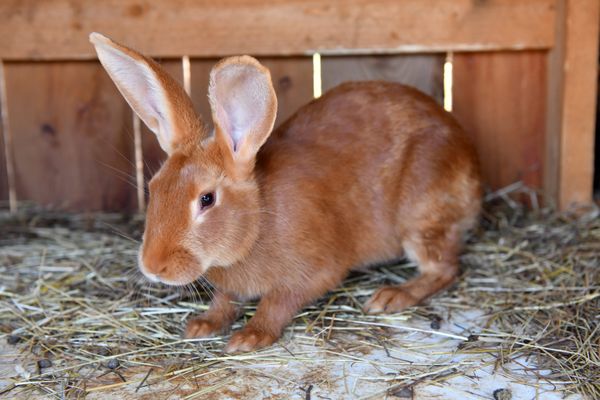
(70, 293)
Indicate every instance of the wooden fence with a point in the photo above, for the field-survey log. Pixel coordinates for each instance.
(524, 81)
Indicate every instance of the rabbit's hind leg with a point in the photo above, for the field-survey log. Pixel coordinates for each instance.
(436, 253)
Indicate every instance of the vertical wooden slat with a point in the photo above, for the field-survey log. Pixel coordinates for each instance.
(199, 76)
(596, 185)
(3, 173)
(292, 79)
(4, 190)
(139, 170)
(554, 106)
(571, 100)
(71, 134)
(423, 71)
(498, 98)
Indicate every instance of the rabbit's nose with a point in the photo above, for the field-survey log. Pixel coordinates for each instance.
(150, 269)
(155, 268)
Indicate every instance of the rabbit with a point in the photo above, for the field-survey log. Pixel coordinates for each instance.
(369, 172)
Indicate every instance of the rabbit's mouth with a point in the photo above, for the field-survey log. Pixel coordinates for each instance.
(180, 269)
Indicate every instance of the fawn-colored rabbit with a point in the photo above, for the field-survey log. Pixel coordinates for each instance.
(365, 174)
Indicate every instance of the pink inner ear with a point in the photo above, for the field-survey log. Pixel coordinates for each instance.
(242, 96)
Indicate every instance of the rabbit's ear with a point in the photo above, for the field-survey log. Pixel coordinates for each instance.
(153, 94)
(244, 106)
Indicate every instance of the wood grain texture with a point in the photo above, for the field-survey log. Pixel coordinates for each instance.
(425, 71)
(200, 71)
(3, 166)
(3, 176)
(554, 104)
(572, 103)
(58, 29)
(293, 82)
(72, 139)
(498, 98)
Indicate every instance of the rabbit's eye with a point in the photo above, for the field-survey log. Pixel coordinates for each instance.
(207, 200)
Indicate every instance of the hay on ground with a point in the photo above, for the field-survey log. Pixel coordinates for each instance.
(74, 309)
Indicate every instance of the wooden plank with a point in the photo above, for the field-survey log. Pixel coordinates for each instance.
(3, 173)
(72, 139)
(199, 74)
(58, 29)
(291, 76)
(572, 103)
(293, 82)
(554, 105)
(3, 161)
(425, 71)
(498, 100)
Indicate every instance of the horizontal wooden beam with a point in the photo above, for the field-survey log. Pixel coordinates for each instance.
(58, 29)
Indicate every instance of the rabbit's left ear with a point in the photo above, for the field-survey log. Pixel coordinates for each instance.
(244, 107)
(153, 94)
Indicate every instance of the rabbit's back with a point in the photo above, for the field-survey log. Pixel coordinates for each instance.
(364, 164)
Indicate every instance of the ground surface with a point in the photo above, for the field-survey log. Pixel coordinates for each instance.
(522, 323)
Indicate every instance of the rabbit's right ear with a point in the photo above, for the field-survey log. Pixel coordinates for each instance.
(244, 107)
(153, 94)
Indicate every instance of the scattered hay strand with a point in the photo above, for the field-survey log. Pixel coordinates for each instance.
(70, 294)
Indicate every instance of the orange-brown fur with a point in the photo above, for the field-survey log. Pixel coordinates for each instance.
(343, 191)
(367, 173)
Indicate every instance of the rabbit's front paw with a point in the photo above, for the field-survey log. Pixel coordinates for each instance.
(390, 299)
(249, 339)
(201, 327)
